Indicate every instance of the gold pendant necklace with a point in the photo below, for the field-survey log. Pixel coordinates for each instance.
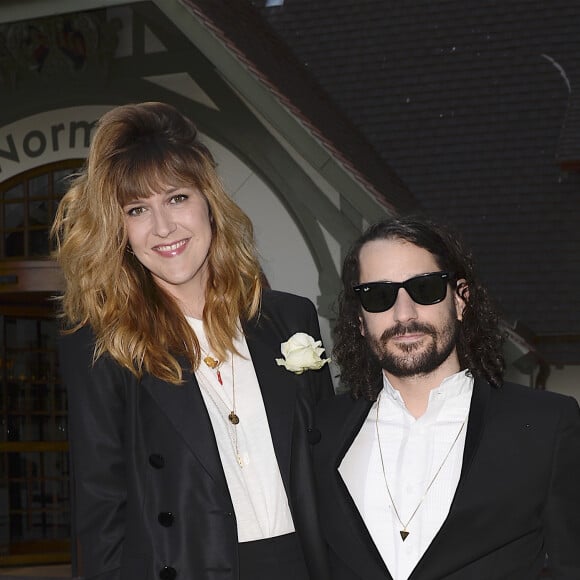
(215, 364)
(233, 418)
(404, 533)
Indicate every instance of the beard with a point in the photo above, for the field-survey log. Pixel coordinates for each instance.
(408, 360)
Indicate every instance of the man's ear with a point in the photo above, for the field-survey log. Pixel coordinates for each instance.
(461, 297)
(361, 325)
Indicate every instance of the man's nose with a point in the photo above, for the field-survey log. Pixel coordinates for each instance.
(405, 308)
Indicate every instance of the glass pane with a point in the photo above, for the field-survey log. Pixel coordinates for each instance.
(62, 181)
(16, 192)
(60, 404)
(14, 245)
(38, 186)
(13, 215)
(4, 517)
(38, 213)
(38, 243)
(47, 336)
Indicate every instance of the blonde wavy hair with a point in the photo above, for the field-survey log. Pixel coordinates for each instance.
(135, 149)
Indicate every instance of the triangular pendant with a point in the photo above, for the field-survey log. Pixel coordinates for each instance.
(404, 534)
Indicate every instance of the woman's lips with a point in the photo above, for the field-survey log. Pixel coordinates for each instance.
(171, 249)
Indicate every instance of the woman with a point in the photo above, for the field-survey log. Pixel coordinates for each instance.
(189, 441)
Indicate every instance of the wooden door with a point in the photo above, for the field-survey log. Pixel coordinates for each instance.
(34, 463)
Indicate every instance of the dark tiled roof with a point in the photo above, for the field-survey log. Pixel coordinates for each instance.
(569, 147)
(240, 26)
(466, 101)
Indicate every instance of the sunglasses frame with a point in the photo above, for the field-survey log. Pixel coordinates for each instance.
(360, 288)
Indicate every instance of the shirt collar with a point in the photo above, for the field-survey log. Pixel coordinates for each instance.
(453, 395)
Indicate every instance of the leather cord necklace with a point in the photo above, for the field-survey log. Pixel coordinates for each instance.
(404, 532)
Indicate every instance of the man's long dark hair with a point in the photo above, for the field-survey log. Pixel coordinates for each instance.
(480, 341)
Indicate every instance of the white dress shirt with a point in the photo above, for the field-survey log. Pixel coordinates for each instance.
(413, 451)
(255, 484)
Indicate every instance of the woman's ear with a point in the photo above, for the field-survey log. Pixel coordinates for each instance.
(461, 297)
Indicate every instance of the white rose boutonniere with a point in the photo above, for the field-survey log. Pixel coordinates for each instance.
(302, 353)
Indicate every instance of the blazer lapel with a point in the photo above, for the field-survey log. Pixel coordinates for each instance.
(475, 426)
(438, 558)
(278, 387)
(350, 527)
(184, 407)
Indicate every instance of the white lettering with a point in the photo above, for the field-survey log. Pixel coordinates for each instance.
(35, 143)
(29, 139)
(11, 154)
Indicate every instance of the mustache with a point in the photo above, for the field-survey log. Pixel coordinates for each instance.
(410, 328)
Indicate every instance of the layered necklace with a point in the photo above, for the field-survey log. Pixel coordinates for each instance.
(217, 397)
(404, 532)
(215, 364)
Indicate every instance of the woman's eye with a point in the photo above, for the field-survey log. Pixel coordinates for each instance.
(135, 211)
(179, 198)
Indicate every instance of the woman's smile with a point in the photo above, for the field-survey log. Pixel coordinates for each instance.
(173, 249)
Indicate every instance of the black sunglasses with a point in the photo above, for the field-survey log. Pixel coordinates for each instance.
(425, 289)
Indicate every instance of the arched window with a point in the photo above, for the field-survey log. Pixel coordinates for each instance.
(27, 206)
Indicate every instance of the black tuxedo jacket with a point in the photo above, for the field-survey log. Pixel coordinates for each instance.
(150, 496)
(518, 496)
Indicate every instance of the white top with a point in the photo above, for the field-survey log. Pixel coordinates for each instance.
(413, 450)
(255, 486)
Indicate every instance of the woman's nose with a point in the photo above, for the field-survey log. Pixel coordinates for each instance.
(163, 224)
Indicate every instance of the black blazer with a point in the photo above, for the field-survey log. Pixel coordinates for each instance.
(150, 497)
(518, 495)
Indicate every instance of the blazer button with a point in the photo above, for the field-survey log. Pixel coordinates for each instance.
(157, 461)
(314, 435)
(166, 519)
(168, 573)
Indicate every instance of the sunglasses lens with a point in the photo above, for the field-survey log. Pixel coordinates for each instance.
(378, 298)
(427, 289)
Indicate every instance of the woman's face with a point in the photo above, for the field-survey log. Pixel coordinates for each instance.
(170, 234)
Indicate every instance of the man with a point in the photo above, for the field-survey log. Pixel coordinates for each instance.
(432, 468)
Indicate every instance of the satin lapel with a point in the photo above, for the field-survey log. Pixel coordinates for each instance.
(438, 558)
(475, 425)
(184, 407)
(278, 387)
(352, 536)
